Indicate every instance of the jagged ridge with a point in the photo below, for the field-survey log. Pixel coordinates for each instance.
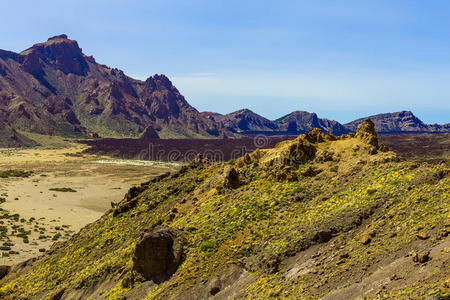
(53, 88)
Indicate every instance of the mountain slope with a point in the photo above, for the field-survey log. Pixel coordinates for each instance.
(53, 88)
(404, 121)
(313, 217)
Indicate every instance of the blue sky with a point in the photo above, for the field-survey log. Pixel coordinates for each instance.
(340, 59)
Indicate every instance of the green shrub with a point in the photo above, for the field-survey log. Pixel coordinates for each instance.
(15, 173)
(56, 236)
(371, 191)
(207, 246)
(64, 190)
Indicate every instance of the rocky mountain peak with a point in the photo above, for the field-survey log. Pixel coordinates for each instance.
(63, 53)
(58, 37)
(103, 100)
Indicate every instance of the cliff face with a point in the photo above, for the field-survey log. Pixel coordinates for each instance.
(53, 88)
(404, 121)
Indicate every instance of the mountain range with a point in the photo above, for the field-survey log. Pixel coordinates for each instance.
(53, 88)
(403, 121)
(245, 121)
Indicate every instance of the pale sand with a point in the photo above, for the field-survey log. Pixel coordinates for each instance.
(97, 184)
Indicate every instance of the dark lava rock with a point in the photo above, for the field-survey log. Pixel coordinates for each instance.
(421, 257)
(366, 240)
(158, 254)
(322, 236)
(58, 295)
(4, 270)
(231, 178)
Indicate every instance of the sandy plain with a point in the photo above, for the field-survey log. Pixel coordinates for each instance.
(34, 215)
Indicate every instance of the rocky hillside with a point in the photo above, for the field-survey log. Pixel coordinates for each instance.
(317, 216)
(246, 121)
(54, 88)
(404, 121)
(11, 138)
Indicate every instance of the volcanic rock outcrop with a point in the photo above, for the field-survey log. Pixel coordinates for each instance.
(158, 254)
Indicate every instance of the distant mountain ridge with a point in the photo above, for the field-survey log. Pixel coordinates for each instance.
(403, 121)
(54, 88)
(303, 121)
(245, 121)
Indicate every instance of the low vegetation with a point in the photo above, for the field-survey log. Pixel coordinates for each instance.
(63, 190)
(307, 219)
(15, 173)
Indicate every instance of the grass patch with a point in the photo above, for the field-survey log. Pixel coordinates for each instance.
(15, 173)
(64, 190)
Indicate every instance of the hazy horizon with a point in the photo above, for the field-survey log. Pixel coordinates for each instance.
(342, 61)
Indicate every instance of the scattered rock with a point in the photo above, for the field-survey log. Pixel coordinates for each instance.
(344, 256)
(4, 270)
(421, 257)
(366, 240)
(158, 254)
(322, 236)
(214, 286)
(424, 256)
(394, 277)
(372, 233)
(58, 295)
(392, 234)
(310, 172)
(285, 174)
(423, 236)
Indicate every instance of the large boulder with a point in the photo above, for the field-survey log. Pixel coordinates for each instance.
(158, 254)
(231, 178)
(4, 270)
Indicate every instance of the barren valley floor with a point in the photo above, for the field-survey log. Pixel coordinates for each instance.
(64, 191)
